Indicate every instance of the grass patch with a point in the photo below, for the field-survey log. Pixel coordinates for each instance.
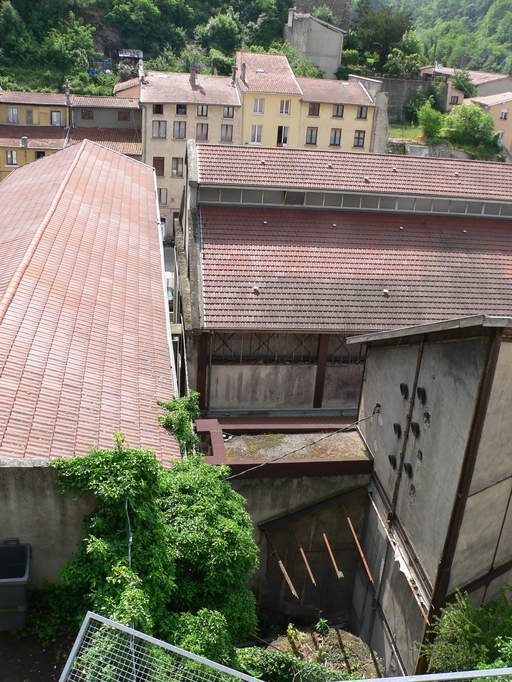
(265, 440)
(404, 131)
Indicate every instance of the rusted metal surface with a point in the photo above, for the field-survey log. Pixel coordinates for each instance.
(281, 566)
(303, 555)
(339, 573)
(358, 544)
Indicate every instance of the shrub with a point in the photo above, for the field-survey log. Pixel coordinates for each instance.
(431, 121)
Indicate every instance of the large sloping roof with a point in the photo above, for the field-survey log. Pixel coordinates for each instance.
(334, 92)
(347, 271)
(351, 171)
(38, 137)
(173, 87)
(122, 140)
(83, 331)
(266, 73)
(105, 102)
(38, 98)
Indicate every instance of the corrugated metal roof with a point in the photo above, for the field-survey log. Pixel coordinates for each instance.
(83, 336)
(347, 271)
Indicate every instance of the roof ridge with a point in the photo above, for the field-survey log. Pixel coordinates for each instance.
(14, 283)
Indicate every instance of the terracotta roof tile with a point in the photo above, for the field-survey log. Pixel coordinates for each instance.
(120, 140)
(266, 73)
(105, 102)
(126, 85)
(83, 336)
(326, 271)
(48, 98)
(334, 92)
(39, 137)
(175, 87)
(350, 171)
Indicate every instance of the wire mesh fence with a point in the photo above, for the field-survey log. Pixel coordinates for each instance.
(106, 651)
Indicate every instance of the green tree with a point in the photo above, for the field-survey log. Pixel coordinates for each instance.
(324, 13)
(221, 33)
(431, 121)
(463, 82)
(70, 46)
(305, 67)
(469, 128)
(379, 30)
(16, 43)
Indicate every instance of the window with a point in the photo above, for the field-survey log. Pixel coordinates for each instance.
(12, 115)
(162, 196)
(160, 129)
(284, 107)
(158, 108)
(87, 115)
(180, 130)
(226, 133)
(228, 112)
(30, 116)
(335, 137)
(259, 106)
(311, 135)
(314, 109)
(12, 158)
(282, 135)
(158, 165)
(39, 155)
(202, 131)
(359, 138)
(55, 118)
(181, 110)
(256, 134)
(123, 115)
(454, 99)
(177, 167)
(504, 114)
(362, 112)
(501, 133)
(337, 110)
(202, 110)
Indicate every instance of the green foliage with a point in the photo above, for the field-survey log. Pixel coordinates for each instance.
(278, 666)
(221, 33)
(406, 58)
(292, 632)
(178, 416)
(461, 81)
(350, 58)
(469, 128)
(324, 13)
(223, 64)
(188, 529)
(69, 47)
(380, 29)
(431, 121)
(414, 104)
(305, 67)
(322, 627)
(470, 637)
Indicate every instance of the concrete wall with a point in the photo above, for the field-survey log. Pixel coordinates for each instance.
(400, 91)
(106, 118)
(485, 539)
(286, 387)
(318, 43)
(34, 510)
(271, 498)
(450, 372)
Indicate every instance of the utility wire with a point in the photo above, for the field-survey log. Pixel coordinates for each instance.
(287, 454)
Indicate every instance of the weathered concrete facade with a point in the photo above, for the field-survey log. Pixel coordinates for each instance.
(442, 482)
(35, 511)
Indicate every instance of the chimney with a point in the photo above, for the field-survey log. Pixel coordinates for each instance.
(24, 141)
(192, 76)
(290, 17)
(234, 74)
(242, 74)
(67, 93)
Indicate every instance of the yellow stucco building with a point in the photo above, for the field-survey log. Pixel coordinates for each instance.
(500, 108)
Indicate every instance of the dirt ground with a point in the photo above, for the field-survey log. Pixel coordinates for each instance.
(26, 659)
(339, 650)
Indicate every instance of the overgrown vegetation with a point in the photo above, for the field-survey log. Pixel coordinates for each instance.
(279, 666)
(168, 551)
(468, 637)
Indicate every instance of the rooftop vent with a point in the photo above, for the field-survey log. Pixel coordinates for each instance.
(260, 70)
(24, 141)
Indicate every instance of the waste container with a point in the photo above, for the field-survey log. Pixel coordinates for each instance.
(14, 574)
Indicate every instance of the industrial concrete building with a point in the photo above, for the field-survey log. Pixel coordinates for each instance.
(439, 515)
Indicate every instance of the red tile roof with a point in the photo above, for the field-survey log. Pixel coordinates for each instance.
(266, 73)
(175, 87)
(334, 92)
(477, 77)
(490, 100)
(120, 140)
(105, 102)
(328, 271)
(83, 337)
(39, 137)
(351, 171)
(126, 85)
(48, 98)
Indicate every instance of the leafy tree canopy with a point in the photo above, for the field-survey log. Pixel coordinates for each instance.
(469, 128)
(324, 13)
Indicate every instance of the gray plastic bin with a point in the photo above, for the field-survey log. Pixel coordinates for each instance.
(14, 575)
